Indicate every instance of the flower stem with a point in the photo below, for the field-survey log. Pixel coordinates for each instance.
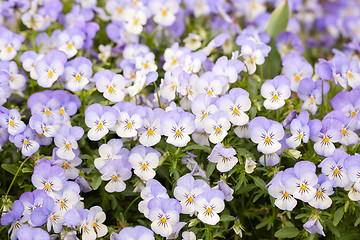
(157, 94)
(60, 84)
(17, 172)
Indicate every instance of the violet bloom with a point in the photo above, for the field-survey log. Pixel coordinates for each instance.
(236, 103)
(77, 73)
(225, 158)
(143, 160)
(110, 151)
(348, 128)
(68, 197)
(225, 189)
(43, 104)
(228, 68)
(99, 119)
(66, 140)
(177, 126)
(211, 84)
(171, 82)
(327, 136)
(68, 105)
(26, 142)
(187, 190)
(296, 68)
(92, 226)
(276, 91)
(48, 178)
(202, 107)
(208, 205)
(129, 120)
(314, 226)
(31, 201)
(311, 93)
(150, 132)
(13, 217)
(217, 126)
(300, 130)
(133, 233)
(288, 42)
(267, 134)
(347, 102)
(111, 85)
(12, 122)
(10, 43)
(50, 68)
(17, 80)
(333, 167)
(253, 55)
(164, 11)
(116, 172)
(152, 189)
(70, 41)
(164, 214)
(352, 166)
(326, 70)
(324, 189)
(29, 233)
(284, 199)
(300, 180)
(5, 90)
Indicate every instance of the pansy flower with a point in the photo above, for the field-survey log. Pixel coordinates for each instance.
(110, 151)
(300, 131)
(296, 68)
(324, 189)
(276, 91)
(77, 73)
(152, 189)
(26, 142)
(66, 140)
(224, 158)
(208, 205)
(143, 160)
(116, 172)
(150, 132)
(110, 84)
(132, 233)
(12, 122)
(164, 11)
(48, 178)
(217, 125)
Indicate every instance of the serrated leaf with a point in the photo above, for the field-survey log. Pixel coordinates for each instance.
(288, 232)
(338, 215)
(10, 168)
(210, 169)
(278, 20)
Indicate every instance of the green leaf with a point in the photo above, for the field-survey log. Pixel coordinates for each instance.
(278, 20)
(206, 149)
(96, 182)
(338, 215)
(288, 232)
(260, 183)
(357, 222)
(210, 169)
(261, 225)
(226, 218)
(11, 168)
(331, 227)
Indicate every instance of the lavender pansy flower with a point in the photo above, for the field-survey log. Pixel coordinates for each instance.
(236, 103)
(111, 85)
(99, 119)
(333, 167)
(143, 160)
(253, 55)
(352, 166)
(314, 226)
(324, 188)
(202, 107)
(347, 102)
(296, 68)
(177, 126)
(5, 90)
(26, 142)
(134, 21)
(225, 189)
(117, 172)
(150, 132)
(13, 217)
(267, 134)
(300, 130)
(311, 93)
(164, 214)
(43, 104)
(77, 73)
(210, 84)
(66, 140)
(164, 11)
(208, 205)
(50, 67)
(187, 190)
(133, 233)
(10, 43)
(68, 197)
(288, 42)
(152, 189)
(300, 181)
(12, 122)
(17, 80)
(110, 151)
(48, 178)
(276, 91)
(70, 40)
(217, 125)
(145, 62)
(224, 158)
(29, 233)
(348, 128)
(228, 68)
(284, 199)
(129, 119)
(92, 227)
(351, 72)
(69, 166)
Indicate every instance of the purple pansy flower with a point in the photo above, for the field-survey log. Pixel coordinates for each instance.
(77, 73)
(132, 233)
(300, 130)
(296, 68)
(12, 122)
(208, 205)
(224, 158)
(143, 160)
(48, 178)
(26, 142)
(314, 226)
(324, 188)
(110, 84)
(116, 172)
(66, 140)
(276, 91)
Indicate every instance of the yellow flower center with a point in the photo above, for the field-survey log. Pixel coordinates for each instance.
(267, 139)
(70, 45)
(208, 210)
(303, 187)
(47, 18)
(146, 65)
(164, 12)
(11, 78)
(174, 61)
(354, 189)
(129, 125)
(326, 139)
(252, 60)
(286, 194)
(100, 126)
(111, 89)
(163, 220)
(120, 10)
(11, 123)
(312, 99)
(300, 136)
(205, 115)
(84, 228)
(94, 225)
(62, 204)
(178, 132)
(47, 186)
(53, 217)
(190, 199)
(297, 78)
(236, 111)
(62, 111)
(68, 146)
(115, 178)
(47, 112)
(9, 48)
(132, 76)
(144, 166)
(209, 92)
(78, 78)
(275, 97)
(26, 142)
(150, 131)
(51, 73)
(66, 165)
(173, 87)
(318, 193)
(349, 74)
(353, 114)
(218, 130)
(336, 171)
(198, 5)
(136, 21)
(343, 131)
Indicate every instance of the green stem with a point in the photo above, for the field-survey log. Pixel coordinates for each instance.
(17, 172)
(262, 74)
(265, 160)
(157, 94)
(127, 209)
(60, 84)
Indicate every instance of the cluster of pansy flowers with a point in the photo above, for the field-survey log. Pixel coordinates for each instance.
(209, 108)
